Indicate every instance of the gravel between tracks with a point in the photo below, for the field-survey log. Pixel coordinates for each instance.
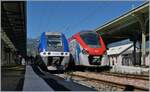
(127, 81)
(100, 86)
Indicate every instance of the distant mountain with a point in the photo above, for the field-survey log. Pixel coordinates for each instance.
(32, 47)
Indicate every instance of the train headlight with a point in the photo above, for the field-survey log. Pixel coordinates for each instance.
(66, 53)
(84, 51)
(44, 53)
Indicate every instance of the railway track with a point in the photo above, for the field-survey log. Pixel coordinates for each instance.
(124, 82)
(140, 77)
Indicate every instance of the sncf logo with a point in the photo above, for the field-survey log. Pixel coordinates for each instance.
(96, 50)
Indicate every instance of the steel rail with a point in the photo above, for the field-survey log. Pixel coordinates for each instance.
(112, 83)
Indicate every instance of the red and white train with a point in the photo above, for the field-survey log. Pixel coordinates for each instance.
(87, 48)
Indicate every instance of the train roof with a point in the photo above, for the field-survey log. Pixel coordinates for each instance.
(79, 33)
(119, 49)
(123, 49)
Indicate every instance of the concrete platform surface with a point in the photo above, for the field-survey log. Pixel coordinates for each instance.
(72, 86)
(129, 69)
(12, 78)
(58, 83)
(33, 82)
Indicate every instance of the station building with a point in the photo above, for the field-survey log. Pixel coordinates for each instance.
(123, 55)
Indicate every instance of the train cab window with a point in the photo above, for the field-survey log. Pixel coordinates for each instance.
(54, 40)
(91, 39)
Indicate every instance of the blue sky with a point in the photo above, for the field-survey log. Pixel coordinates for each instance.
(70, 17)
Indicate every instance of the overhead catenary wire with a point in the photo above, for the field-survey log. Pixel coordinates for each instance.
(85, 19)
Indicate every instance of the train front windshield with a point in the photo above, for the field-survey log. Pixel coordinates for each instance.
(54, 40)
(91, 39)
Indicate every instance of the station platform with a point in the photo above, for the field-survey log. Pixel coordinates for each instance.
(130, 70)
(32, 78)
(38, 80)
(12, 77)
(33, 82)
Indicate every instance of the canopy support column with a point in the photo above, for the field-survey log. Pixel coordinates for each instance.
(141, 20)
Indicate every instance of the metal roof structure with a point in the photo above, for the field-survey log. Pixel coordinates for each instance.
(125, 26)
(13, 21)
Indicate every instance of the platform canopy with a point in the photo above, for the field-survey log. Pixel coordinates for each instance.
(13, 19)
(126, 26)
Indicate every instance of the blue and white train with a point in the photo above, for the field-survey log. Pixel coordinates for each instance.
(54, 50)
